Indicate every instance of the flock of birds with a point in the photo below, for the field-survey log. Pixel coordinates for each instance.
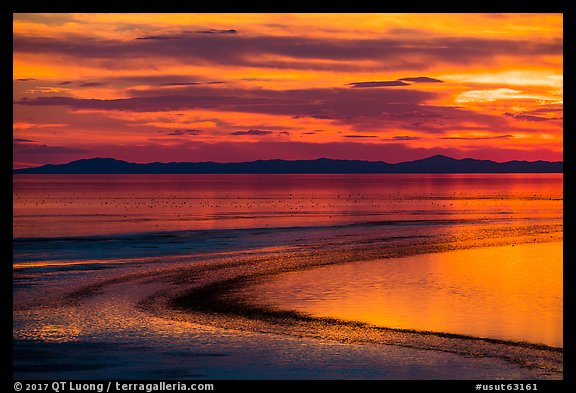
(288, 202)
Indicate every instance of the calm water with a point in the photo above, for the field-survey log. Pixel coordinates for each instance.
(78, 205)
(512, 293)
(70, 230)
(76, 217)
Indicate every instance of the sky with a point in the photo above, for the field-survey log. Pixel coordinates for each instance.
(244, 87)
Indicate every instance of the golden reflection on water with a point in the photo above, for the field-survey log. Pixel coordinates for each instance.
(503, 292)
(508, 292)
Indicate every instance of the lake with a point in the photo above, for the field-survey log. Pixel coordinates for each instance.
(473, 254)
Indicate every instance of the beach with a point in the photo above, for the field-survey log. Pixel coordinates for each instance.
(204, 275)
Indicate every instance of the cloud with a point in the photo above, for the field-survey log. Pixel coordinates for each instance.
(296, 52)
(184, 132)
(20, 140)
(17, 125)
(547, 108)
(498, 94)
(252, 132)
(361, 108)
(313, 132)
(421, 79)
(25, 147)
(521, 78)
(25, 79)
(397, 82)
(213, 31)
(472, 138)
(47, 89)
(526, 117)
(360, 136)
(82, 84)
(321, 116)
(377, 84)
(161, 79)
(191, 83)
(159, 37)
(317, 103)
(405, 138)
(50, 19)
(92, 84)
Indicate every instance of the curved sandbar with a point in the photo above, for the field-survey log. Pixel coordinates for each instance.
(209, 294)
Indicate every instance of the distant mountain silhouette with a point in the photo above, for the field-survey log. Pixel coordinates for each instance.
(435, 164)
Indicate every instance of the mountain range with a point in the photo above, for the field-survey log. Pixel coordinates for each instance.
(434, 164)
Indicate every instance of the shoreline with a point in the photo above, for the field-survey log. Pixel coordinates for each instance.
(218, 303)
(205, 290)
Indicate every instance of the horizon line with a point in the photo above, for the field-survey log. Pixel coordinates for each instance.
(283, 159)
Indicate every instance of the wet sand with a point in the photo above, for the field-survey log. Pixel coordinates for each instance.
(209, 293)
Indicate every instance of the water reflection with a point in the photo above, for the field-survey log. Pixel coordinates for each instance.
(509, 292)
(77, 205)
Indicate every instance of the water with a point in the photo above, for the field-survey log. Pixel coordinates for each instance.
(81, 205)
(506, 292)
(64, 217)
(72, 230)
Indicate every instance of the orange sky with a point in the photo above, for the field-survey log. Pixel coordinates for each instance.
(241, 87)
